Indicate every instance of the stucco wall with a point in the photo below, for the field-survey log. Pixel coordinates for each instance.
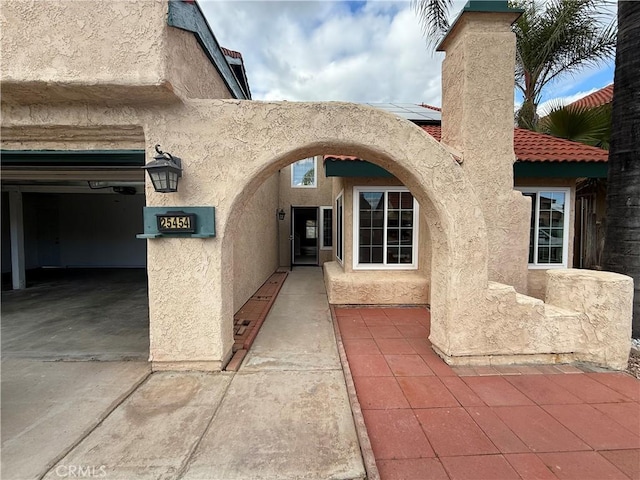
(255, 252)
(477, 121)
(191, 281)
(116, 43)
(83, 230)
(116, 51)
(301, 197)
(192, 74)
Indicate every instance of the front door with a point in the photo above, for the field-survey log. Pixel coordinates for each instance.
(304, 236)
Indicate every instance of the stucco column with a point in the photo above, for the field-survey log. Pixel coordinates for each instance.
(478, 122)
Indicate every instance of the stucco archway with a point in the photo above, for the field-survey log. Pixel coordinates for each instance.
(448, 202)
(230, 148)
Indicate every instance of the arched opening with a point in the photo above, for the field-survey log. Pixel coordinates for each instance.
(447, 203)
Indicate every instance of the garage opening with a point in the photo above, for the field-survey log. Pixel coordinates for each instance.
(73, 273)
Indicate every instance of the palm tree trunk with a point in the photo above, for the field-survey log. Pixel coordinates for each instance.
(622, 236)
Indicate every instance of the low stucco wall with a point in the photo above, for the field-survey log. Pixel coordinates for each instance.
(375, 287)
(255, 252)
(537, 283)
(586, 318)
(606, 300)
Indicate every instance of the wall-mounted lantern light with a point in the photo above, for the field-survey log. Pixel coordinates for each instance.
(164, 171)
(281, 214)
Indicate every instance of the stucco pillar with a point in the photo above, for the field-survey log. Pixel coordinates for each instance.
(478, 122)
(18, 277)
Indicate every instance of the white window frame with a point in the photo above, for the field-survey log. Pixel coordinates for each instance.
(315, 173)
(321, 222)
(565, 233)
(339, 228)
(356, 232)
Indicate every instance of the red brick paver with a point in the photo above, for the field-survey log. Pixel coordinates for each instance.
(427, 420)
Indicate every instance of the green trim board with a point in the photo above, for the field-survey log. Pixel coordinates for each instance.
(354, 168)
(72, 158)
(362, 168)
(560, 169)
(205, 222)
(496, 6)
(189, 17)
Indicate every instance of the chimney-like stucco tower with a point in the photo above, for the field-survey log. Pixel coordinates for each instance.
(478, 122)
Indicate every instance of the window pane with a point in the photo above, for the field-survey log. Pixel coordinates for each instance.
(551, 227)
(400, 206)
(393, 219)
(339, 228)
(385, 222)
(303, 173)
(327, 227)
(406, 201)
(371, 221)
(532, 228)
(364, 255)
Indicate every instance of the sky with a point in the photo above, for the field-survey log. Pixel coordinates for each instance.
(358, 51)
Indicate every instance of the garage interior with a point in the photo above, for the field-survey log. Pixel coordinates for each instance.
(74, 283)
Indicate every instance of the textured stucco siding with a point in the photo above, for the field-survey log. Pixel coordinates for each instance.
(477, 121)
(119, 41)
(255, 252)
(191, 72)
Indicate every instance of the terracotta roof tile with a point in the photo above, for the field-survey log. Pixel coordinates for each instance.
(531, 147)
(231, 53)
(538, 147)
(431, 107)
(600, 97)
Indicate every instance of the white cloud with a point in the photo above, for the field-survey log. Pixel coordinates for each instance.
(372, 52)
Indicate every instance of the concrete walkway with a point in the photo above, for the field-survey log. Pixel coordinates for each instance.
(284, 415)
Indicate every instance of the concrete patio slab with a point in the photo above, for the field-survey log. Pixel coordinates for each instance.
(519, 422)
(281, 425)
(47, 407)
(153, 433)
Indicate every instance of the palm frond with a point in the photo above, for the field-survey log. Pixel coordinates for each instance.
(591, 126)
(434, 18)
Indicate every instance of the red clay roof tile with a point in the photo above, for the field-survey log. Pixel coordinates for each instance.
(531, 147)
(600, 97)
(231, 53)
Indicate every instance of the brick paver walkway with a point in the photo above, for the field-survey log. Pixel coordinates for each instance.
(426, 420)
(248, 320)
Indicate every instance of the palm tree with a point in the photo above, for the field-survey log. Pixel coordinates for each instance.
(553, 38)
(591, 126)
(622, 233)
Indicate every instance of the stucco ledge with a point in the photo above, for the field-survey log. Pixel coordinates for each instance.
(375, 287)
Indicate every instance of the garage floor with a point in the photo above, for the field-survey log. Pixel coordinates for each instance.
(79, 314)
(48, 391)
